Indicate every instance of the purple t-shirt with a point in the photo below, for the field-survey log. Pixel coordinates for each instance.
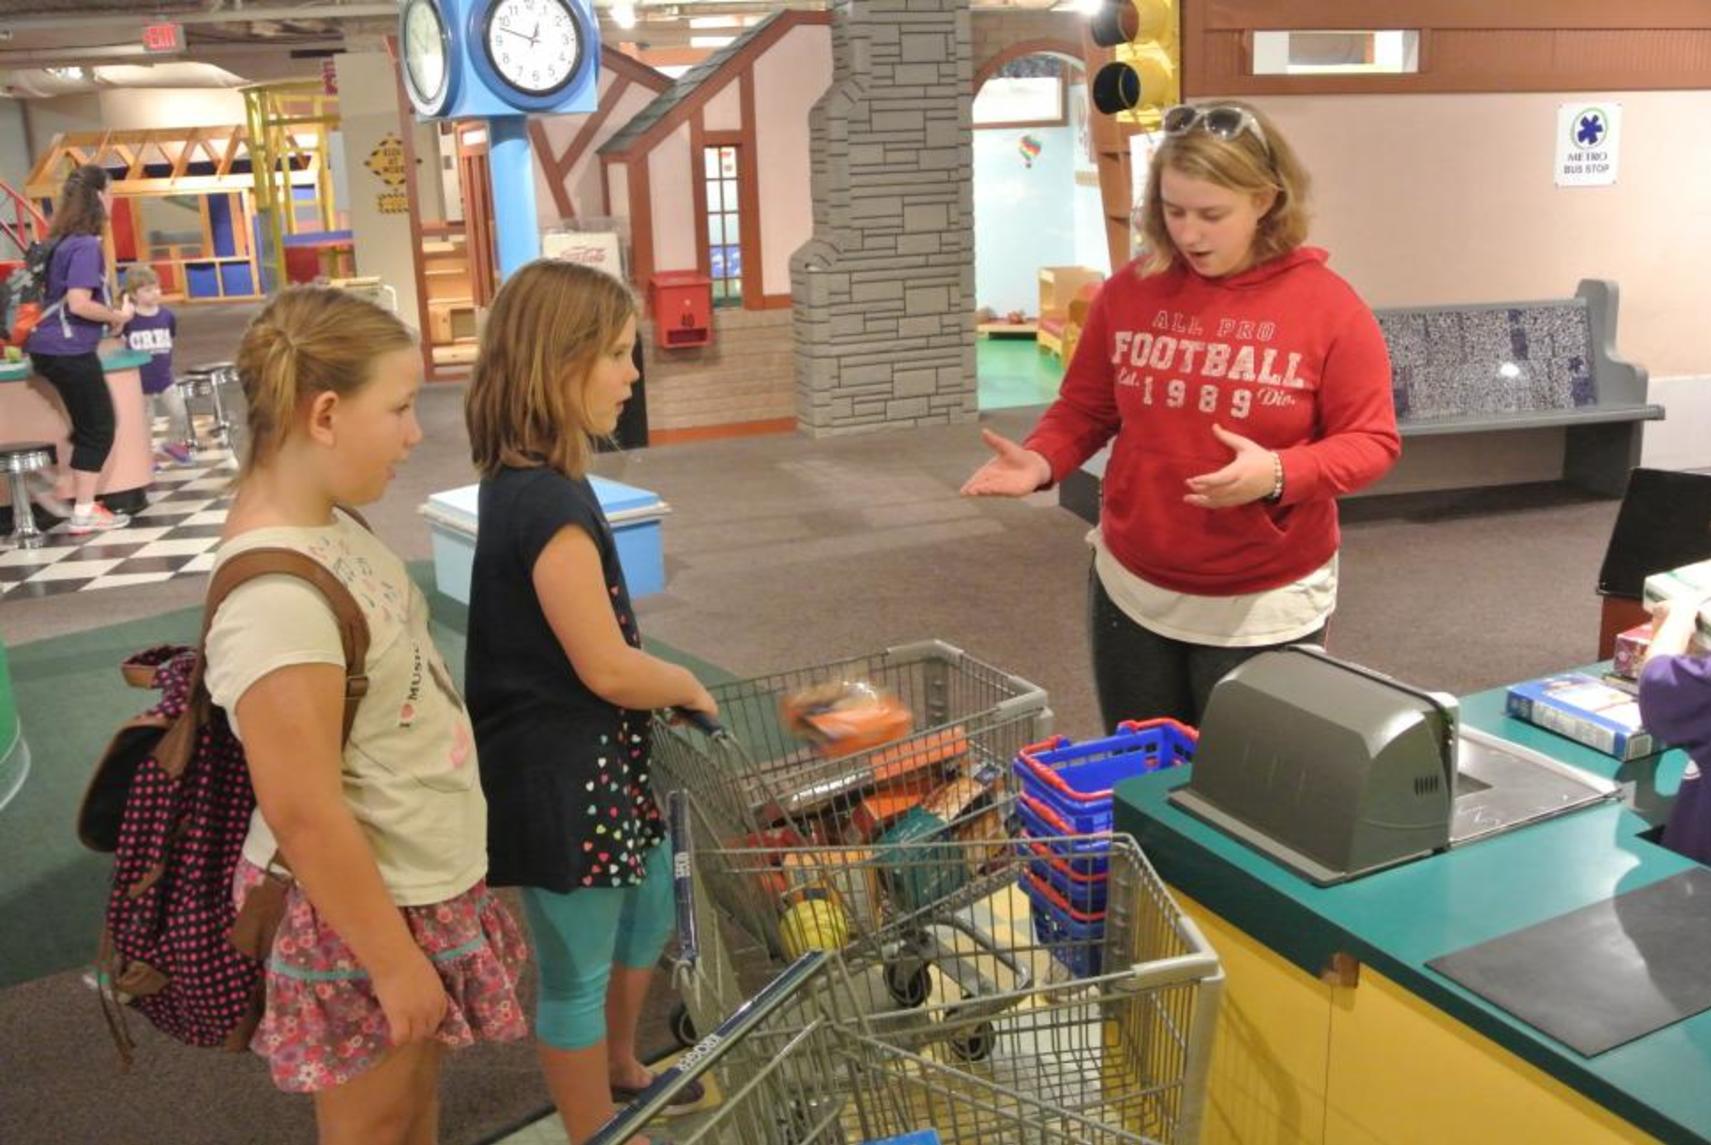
(152, 334)
(76, 262)
(1675, 704)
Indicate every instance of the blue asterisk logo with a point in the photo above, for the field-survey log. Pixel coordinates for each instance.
(1590, 128)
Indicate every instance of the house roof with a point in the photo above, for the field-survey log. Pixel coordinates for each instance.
(700, 83)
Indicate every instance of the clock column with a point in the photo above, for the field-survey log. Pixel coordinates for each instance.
(511, 164)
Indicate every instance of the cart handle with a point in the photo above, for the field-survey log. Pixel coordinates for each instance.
(701, 721)
(683, 883)
(635, 1117)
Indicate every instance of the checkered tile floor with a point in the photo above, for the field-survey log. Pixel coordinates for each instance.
(174, 536)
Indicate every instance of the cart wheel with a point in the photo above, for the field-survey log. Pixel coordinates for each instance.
(682, 1025)
(973, 1045)
(908, 989)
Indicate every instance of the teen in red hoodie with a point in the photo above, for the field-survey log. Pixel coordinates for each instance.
(1243, 387)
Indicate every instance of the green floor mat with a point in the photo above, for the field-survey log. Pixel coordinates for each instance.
(70, 700)
(1015, 372)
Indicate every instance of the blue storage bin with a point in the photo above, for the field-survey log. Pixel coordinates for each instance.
(1083, 856)
(1084, 892)
(1075, 779)
(1075, 938)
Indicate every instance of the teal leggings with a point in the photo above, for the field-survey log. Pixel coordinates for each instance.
(578, 936)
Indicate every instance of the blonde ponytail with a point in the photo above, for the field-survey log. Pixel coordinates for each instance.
(308, 340)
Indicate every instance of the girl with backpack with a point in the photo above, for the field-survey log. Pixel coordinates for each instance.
(559, 685)
(62, 347)
(391, 947)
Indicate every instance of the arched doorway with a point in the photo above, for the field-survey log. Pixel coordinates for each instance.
(1036, 209)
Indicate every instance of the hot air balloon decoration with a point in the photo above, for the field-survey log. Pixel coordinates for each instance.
(1029, 146)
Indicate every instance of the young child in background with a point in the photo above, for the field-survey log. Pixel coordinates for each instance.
(391, 948)
(1675, 705)
(559, 686)
(151, 331)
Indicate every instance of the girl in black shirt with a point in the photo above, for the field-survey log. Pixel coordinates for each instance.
(558, 684)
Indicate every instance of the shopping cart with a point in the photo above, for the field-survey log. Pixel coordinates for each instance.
(939, 937)
(1123, 1062)
(755, 779)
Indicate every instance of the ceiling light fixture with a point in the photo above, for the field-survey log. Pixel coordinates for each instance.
(624, 15)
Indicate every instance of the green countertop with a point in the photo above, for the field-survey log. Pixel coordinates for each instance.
(1399, 919)
(116, 360)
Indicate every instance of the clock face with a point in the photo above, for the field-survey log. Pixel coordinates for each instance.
(426, 67)
(534, 45)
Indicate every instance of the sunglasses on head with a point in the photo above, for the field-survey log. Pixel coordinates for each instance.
(1223, 120)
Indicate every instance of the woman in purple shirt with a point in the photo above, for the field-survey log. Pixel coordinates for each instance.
(1675, 705)
(62, 347)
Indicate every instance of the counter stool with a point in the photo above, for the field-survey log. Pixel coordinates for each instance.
(17, 462)
(208, 379)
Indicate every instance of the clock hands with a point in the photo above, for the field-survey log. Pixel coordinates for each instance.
(520, 35)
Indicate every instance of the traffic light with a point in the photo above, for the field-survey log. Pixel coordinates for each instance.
(1143, 79)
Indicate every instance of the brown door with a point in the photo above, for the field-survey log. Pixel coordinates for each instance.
(477, 185)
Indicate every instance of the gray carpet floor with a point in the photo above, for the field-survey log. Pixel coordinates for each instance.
(782, 552)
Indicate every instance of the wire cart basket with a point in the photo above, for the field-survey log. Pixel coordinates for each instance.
(1121, 1062)
(944, 957)
(751, 775)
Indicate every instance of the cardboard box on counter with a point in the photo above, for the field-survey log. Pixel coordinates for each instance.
(1584, 709)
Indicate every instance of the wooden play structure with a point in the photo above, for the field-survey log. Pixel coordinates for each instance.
(1060, 288)
(291, 123)
(199, 182)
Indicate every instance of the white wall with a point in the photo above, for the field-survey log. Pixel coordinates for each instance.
(583, 178)
(1450, 198)
(724, 112)
(1024, 214)
(789, 80)
(670, 177)
(368, 108)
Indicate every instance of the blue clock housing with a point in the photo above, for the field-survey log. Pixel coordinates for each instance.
(479, 92)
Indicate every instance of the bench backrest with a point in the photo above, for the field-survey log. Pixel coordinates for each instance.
(1453, 361)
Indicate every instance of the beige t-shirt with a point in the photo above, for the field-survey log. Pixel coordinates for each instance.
(1251, 620)
(410, 775)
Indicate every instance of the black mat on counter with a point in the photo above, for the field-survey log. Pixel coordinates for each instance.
(1603, 975)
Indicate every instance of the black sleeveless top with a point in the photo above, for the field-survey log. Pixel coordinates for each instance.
(569, 801)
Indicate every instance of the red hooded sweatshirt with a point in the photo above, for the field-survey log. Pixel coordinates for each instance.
(1284, 353)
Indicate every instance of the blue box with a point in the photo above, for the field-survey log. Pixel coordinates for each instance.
(1586, 710)
(634, 514)
(919, 1137)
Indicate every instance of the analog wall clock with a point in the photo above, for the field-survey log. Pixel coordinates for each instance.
(529, 51)
(425, 38)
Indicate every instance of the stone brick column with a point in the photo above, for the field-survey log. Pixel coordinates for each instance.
(884, 291)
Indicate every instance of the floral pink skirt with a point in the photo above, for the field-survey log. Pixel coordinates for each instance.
(323, 1024)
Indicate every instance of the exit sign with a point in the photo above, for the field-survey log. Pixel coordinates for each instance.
(164, 37)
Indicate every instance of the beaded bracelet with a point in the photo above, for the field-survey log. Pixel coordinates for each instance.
(1276, 493)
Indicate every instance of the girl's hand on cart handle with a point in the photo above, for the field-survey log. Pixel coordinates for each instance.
(1012, 472)
(701, 712)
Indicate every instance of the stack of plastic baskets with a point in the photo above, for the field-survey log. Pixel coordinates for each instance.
(1065, 809)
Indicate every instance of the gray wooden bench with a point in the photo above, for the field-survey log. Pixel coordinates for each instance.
(1497, 367)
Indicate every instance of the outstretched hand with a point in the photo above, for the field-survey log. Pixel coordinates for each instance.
(1012, 471)
(1249, 476)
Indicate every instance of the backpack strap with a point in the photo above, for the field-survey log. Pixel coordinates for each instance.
(353, 626)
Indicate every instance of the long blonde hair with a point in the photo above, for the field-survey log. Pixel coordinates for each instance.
(1243, 164)
(549, 325)
(308, 340)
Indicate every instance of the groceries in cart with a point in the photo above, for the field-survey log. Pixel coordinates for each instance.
(840, 752)
(841, 717)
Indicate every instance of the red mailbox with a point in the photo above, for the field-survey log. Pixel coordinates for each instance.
(682, 304)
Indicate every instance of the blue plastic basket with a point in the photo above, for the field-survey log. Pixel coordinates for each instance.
(1075, 779)
(1083, 856)
(1075, 938)
(1084, 892)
